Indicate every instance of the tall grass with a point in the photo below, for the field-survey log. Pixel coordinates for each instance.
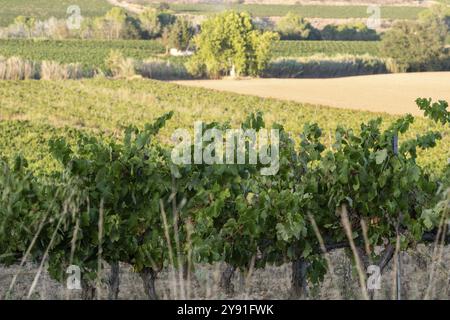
(319, 66)
(122, 67)
(52, 70)
(15, 68)
(162, 70)
(119, 67)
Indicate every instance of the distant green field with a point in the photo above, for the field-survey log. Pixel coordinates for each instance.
(91, 53)
(329, 48)
(308, 11)
(43, 9)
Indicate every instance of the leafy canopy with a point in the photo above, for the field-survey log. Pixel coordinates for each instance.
(417, 45)
(230, 40)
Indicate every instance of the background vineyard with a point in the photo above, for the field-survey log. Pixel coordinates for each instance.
(54, 8)
(44, 9)
(92, 53)
(307, 11)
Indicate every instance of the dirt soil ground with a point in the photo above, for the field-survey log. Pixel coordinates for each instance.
(390, 93)
(269, 283)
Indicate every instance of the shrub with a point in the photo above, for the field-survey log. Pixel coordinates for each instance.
(294, 27)
(119, 66)
(349, 32)
(149, 23)
(320, 66)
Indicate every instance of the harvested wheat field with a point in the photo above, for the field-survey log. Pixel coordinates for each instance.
(390, 93)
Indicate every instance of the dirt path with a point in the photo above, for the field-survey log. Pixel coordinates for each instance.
(418, 3)
(132, 7)
(391, 93)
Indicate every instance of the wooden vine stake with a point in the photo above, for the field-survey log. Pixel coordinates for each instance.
(398, 281)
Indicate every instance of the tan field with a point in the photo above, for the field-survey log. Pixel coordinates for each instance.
(390, 93)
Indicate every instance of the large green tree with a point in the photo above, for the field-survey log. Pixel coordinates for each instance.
(417, 45)
(230, 41)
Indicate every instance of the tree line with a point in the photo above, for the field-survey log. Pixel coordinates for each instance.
(233, 41)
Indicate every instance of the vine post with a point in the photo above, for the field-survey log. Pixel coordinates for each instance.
(398, 282)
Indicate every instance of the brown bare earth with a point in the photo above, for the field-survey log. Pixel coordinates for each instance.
(269, 283)
(390, 93)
